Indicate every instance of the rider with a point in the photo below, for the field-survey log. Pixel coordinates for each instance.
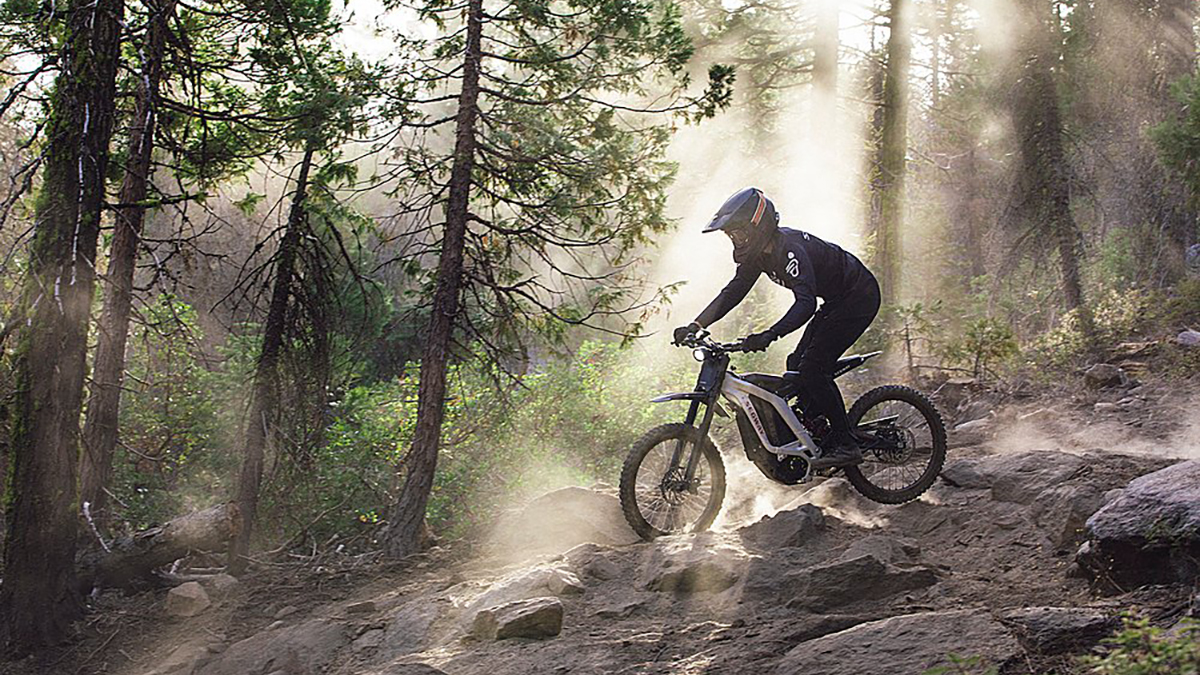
(810, 268)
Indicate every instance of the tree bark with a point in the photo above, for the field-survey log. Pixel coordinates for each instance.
(39, 598)
(264, 406)
(407, 523)
(108, 368)
(133, 561)
(892, 150)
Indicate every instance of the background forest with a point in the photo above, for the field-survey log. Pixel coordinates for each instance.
(375, 271)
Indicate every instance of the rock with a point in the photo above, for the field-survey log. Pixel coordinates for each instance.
(531, 583)
(411, 669)
(1017, 477)
(974, 411)
(285, 612)
(832, 585)
(408, 628)
(1059, 630)
(1104, 375)
(187, 599)
(220, 585)
(1105, 408)
(1188, 338)
(699, 564)
(304, 648)
(592, 560)
(536, 618)
(1150, 533)
(619, 611)
(366, 607)
(559, 520)
(368, 640)
(908, 644)
(794, 527)
(973, 427)
(886, 548)
(1062, 512)
(183, 660)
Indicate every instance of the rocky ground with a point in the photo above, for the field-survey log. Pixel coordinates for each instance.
(812, 579)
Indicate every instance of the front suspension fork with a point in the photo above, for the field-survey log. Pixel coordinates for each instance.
(694, 455)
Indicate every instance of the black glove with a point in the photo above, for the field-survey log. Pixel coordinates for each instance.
(684, 332)
(758, 342)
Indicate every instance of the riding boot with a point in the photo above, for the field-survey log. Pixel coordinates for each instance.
(840, 450)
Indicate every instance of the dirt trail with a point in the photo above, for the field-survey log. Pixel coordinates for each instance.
(790, 580)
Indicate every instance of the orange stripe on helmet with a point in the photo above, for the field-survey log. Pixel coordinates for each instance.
(762, 205)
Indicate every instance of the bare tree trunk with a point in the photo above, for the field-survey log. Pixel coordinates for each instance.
(406, 526)
(108, 368)
(264, 406)
(39, 598)
(893, 148)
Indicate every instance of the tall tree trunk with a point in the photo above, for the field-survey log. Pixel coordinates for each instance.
(39, 598)
(1044, 197)
(108, 369)
(264, 406)
(892, 150)
(407, 523)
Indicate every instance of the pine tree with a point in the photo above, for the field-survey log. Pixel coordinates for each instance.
(554, 177)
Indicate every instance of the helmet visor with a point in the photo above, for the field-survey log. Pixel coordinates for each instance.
(740, 236)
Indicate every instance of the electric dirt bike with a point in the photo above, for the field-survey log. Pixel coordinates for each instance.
(674, 479)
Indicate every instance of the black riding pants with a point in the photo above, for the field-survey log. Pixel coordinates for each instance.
(828, 335)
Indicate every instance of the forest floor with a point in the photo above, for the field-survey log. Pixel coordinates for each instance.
(810, 579)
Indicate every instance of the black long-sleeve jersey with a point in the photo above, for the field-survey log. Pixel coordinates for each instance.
(808, 266)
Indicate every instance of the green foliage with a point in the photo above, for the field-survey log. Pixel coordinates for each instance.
(168, 460)
(963, 665)
(984, 344)
(1178, 139)
(1142, 649)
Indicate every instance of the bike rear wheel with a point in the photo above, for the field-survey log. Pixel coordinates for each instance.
(655, 497)
(909, 445)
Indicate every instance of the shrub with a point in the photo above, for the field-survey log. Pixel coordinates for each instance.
(1142, 649)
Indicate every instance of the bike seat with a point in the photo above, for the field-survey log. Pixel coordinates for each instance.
(848, 363)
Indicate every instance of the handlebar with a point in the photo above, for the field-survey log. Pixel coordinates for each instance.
(701, 340)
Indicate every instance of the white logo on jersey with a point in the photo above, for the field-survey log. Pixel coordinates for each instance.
(793, 265)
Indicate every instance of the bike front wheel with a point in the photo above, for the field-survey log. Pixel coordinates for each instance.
(905, 444)
(656, 496)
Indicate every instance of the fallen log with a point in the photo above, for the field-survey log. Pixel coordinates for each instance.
(132, 561)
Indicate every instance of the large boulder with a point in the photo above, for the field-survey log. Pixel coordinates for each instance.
(1150, 533)
(909, 644)
(794, 527)
(832, 585)
(536, 618)
(1018, 477)
(304, 648)
(560, 520)
(1059, 630)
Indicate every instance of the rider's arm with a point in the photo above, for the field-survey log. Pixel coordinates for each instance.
(804, 289)
(734, 292)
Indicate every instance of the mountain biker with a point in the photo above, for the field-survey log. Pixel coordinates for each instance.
(811, 268)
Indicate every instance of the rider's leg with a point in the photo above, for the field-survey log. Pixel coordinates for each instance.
(840, 328)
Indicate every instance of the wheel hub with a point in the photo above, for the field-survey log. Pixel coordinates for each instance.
(675, 487)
